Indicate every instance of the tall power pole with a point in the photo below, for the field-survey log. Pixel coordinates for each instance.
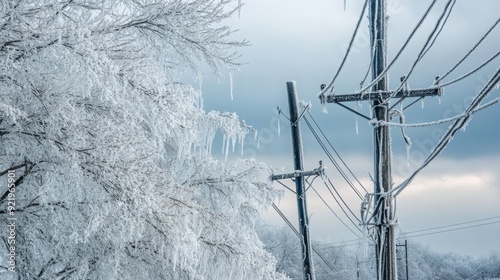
(385, 246)
(384, 210)
(305, 241)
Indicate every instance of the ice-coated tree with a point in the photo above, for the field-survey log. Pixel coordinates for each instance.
(111, 153)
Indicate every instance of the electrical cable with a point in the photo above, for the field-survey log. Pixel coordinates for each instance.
(329, 264)
(408, 235)
(330, 157)
(453, 225)
(442, 121)
(382, 74)
(333, 187)
(331, 210)
(469, 52)
(448, 136)
(438, 80)
(422, 51)
(442, 27)
(330, 85)
(427, 49)
(472, 71)
(285, 186)
(460, 228)
(335, 151)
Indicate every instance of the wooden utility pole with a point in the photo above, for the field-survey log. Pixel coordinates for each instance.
(385, 246)
(384, 225)
(298, 175)
(305, 241)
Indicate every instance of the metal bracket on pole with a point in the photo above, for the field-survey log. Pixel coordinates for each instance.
(383, 95)
(320, 171)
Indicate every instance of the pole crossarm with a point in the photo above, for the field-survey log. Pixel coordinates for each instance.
(298, 173)
(382, 95)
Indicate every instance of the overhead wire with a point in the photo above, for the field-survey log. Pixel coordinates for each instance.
(285, 186)
(460, 228)
(424, 49)
(469, 52)
(342, 199)
(440, 78)
(330, 157)
(447, 137)
(336, 153)
(441, 27)
(410, 234)
(349, 47)
(336, 215)
(472, 71)
(384, 72)
(442, 121)
(448, 9)
(319, 254)
(453, 225)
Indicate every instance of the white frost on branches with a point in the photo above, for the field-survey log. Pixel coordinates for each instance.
(112, 153)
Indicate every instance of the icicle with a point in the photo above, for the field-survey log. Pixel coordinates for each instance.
(228, 139)
(200, 97)
(323, 107)
(356, 121)
(223, 143)
(242, 141)
(439, 99)
(423, 103)
(345, 5)
(464, 126)
(279, 128)
(408, 149)
(231, 83)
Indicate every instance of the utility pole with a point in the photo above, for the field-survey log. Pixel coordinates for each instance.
(298, 175)
(406, 260)
(385, 246)
(406, 257)
(384, 208)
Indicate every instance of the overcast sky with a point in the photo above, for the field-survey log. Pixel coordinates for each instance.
(305, 41)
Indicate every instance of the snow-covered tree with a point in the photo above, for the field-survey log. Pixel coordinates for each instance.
(113, 173)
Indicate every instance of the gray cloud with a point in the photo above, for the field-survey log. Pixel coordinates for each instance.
(305, 41)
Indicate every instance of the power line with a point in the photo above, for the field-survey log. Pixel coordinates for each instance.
(347, 51)
(452, 225)
(331, 210)
(285, 186)
(328, 263)
(382, 74)
(472, 71)
(460, 228)
(448, 136)
(410, 234)
(442, 25)
(424, 49)
(334, 150)
(330, 157)
(469, 52)
(343, 201)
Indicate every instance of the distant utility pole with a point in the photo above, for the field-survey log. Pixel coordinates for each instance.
(406, 258)
(385, 240)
